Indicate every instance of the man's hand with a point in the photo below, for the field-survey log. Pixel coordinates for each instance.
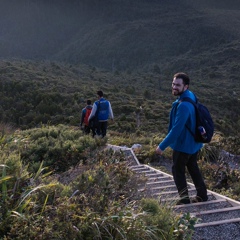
(159, 151)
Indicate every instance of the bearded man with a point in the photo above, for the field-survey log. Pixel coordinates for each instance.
(181, 140)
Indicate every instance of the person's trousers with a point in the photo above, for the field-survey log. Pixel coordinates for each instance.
(180, 162)
(88, 129)
(102, 128)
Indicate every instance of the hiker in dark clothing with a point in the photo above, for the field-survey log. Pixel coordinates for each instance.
(84, 119)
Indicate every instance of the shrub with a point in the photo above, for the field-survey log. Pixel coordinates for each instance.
(60, 147)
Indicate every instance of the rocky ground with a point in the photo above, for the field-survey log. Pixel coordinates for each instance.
(232, 160)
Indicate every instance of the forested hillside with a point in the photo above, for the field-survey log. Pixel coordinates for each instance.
(56, 54)
(35, 93)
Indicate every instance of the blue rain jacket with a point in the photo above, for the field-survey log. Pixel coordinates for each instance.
(179, 138)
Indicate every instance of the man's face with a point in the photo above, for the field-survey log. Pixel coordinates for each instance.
(178, 87)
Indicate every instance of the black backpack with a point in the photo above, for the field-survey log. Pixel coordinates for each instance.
(204, 123)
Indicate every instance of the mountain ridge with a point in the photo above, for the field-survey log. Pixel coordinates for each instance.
(116, 34)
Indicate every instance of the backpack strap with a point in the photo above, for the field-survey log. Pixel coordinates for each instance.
(188, 99)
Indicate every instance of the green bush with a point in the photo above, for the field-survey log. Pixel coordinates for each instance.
(59, 147)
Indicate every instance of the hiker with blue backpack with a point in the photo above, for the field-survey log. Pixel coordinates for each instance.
(185, 136)
(100, 114)
(84, 123)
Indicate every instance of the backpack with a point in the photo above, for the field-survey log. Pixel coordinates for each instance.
(204, 123)
(88, 112)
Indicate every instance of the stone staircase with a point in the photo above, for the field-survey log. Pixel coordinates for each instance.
(219, 216)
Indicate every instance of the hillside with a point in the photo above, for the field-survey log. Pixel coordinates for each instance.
(33, 93)
(121, 34)
(56, 54)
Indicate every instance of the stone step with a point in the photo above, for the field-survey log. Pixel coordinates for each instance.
(162, 189)
(219, 222)
(163, 184)
(145, 171)
(154, 174)
(230, 213)
(219, 230)
(166, 188)
(203, 206)
(136, 167)
(173, 200)
(159, 179)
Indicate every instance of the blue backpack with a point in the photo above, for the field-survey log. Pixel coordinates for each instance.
(204, 123)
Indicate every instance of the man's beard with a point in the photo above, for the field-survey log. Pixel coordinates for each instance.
(176, 92)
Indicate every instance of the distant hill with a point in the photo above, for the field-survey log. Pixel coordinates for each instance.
(121, 34)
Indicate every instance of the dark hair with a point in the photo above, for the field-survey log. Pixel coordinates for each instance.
(183, 76)
(89, 102)
(100, 93)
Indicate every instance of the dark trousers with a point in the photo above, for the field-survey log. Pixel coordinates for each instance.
(87, 130)
(102, 128)
(180, 162)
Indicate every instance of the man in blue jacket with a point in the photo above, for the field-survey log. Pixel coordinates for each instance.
(103, 110)
(181, 140)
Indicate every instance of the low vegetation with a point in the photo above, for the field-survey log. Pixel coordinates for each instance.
(80, 192)
(57, 183)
